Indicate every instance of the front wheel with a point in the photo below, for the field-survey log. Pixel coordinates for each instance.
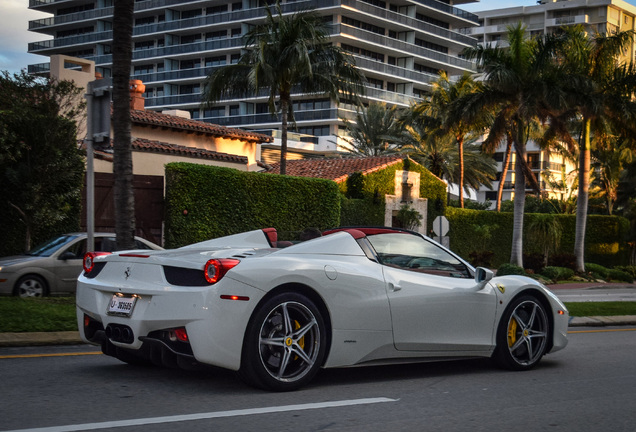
(285, 344)
(522, 336)
(30, 286)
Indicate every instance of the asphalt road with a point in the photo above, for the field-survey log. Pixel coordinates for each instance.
(589, 386)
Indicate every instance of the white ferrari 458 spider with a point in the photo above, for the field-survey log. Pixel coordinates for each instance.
(351, 297)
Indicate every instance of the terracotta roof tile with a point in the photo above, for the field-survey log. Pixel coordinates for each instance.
(153, 118)
(336, 169)
(142, 144)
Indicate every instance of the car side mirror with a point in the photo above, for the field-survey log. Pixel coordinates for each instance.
(483, 274)
(67, 256)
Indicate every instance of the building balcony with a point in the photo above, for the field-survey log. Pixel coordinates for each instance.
(569, 20)
(367, 37)
(393, 17)
(450, 10)
(393, 72)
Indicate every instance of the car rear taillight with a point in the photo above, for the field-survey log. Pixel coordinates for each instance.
(215, 269)
(89, 260)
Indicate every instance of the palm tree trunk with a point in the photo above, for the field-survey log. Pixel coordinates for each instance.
(504, 172)
(583, 197)
(122, 158)
(460, 145)
(284, 107)
(516, 254)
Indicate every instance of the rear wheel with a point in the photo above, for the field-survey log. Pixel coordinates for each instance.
(30, 286)
(285, 344)
(522, 336)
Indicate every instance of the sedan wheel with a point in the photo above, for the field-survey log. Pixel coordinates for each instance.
(522, 337)
(31, 286)
(285, 344)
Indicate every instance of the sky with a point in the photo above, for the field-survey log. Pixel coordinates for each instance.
(15, 37)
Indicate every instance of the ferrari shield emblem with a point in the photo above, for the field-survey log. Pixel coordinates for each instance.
(501, 288)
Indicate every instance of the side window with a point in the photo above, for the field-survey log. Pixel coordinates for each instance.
(141, 245)
(109, 244)
(410, 252)
(77, 249)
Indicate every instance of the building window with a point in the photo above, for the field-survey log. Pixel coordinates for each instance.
(235, 110)
(430, 45)
(363, 26)
(375, 83)
(188, 39)
(144, 69)
(215, 61)
(191, 13)
(363, 52)
(190, 64)
(214, 112)
(144, 45)
(221, 34)
(314, 130)
(216, 9)
(491, 195)
(189, 89)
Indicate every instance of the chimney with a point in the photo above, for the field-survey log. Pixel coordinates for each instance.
(137, 89)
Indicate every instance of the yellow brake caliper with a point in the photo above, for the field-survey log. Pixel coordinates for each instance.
(512, 332)
(301, 341)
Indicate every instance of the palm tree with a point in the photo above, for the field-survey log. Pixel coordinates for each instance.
(283, 55)
(375, 131)
(122, 146)
(518, 84)
(440, 155)
(546, 232)
(609, 158)
(441, 112)
(600, 93)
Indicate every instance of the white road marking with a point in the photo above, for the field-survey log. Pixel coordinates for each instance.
(205, 416)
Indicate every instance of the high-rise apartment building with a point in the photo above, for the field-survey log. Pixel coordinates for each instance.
(400, 45)
(545, 17)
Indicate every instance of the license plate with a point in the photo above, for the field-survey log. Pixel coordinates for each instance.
(122, 306)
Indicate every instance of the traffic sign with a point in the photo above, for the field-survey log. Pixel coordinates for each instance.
(440, 226)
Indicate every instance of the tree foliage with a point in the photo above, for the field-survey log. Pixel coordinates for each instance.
(41, 167)
(374, 132)
(287, 54)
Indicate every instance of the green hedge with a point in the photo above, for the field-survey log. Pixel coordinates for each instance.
(605, 239)
(364, 202)
(205, 202)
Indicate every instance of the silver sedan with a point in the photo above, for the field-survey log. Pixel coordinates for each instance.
(53, 267)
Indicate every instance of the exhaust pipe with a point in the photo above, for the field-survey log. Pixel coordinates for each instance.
(120, 333)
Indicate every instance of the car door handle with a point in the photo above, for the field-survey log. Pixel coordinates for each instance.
(394, 288)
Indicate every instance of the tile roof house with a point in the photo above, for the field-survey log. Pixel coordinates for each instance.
(160, 138)
(399, 180)
(336, 169)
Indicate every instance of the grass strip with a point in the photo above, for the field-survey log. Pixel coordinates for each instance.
(611, 308)
(37, 314)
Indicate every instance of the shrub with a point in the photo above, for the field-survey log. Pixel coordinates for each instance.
(620, 275)
(627, 269)
(557, 273)
(510, 269)
(597, 270)
(204, 202)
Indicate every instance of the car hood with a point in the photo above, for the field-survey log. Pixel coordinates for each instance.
(18, 259)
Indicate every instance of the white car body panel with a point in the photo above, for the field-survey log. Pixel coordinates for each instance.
(375, 313)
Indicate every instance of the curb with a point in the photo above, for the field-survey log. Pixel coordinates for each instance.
(73, 337)
(40, 338)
